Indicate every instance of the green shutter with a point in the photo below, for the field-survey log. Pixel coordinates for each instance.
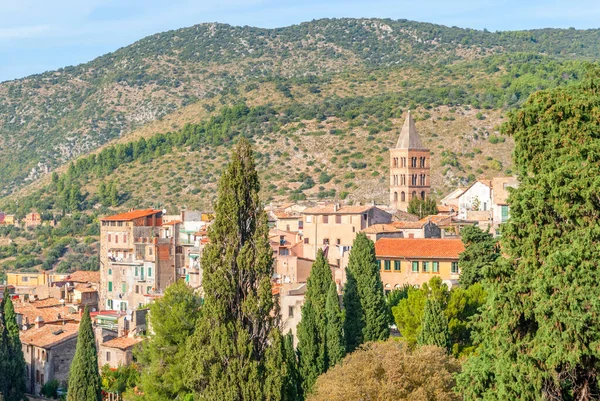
(436, 267)
(110, 286)
(415, 267)
(387, 265)
(396, 265)
(149, 272)
(123, 287)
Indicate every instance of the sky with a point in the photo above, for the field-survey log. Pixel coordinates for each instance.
(42, 35)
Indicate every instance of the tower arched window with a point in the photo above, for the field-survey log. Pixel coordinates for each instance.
(423, 195)
(414, 195)
(403, 196)
(422, 162)
(395, 196)
(395, 162)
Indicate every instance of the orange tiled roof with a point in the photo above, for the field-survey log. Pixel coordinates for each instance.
(381, 228)
(82, 276)
(330, 209)
(84, 288)
(435, 218)
(134, 214)
(445, 208)
(172, 223)
(30, 312)
(49, 334)
(46, 302)
(431, 248)
(122, 342)
(286, 215)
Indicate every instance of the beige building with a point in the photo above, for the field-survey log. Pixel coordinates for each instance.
(334, 227)
(48, 350)
(415, 261)
(117, 351)
(500, 193)
(291, 299)
(409, 167)
(139, 258)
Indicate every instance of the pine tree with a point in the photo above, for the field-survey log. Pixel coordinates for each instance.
(312, 329)
(84, 378)
(15, 374)
(353, 314)
(173, 319)
(434, 326)
(538, 332)
(365, 269)
(335, 341)
(226, 353)
(481, 251)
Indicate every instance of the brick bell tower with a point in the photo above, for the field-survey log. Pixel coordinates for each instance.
(409, 167)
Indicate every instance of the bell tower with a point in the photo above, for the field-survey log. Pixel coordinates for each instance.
(409, 167)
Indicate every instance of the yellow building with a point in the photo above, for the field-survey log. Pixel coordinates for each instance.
(33, 279)
(415, 261)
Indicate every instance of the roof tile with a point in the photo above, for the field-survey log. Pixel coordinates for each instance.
(419, 248)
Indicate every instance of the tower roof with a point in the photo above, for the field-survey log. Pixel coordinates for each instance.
(409, 137)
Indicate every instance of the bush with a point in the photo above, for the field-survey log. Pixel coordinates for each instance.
(49, 389)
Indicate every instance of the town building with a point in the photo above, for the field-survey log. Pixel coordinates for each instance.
(48, 350)
(33, 219)
(117, 351)
(333, 229)
(414, 261)
(291, 299)
(139, 258)
(409, 167)
(500, 193)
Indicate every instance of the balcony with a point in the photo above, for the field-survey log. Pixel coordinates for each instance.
(125, 261)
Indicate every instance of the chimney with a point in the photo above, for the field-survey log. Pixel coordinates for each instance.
(39, 322)
(335, 207)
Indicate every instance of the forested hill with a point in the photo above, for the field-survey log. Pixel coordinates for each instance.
(50, 118)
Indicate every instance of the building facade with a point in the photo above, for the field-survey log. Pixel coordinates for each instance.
(414, 261)
(139, 257)
(409, 167)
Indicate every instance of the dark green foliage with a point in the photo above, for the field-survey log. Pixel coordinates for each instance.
(394, 297)
(14, 367)
(226, 354)
(334, 333)
(84, 379)
(538, 333)
(434, 326)
(354, 320)
(173, 319)
(481, 251)
(364, 268)
(422, 208)
(462, 306)
(283, 384)
(50, 388)
(293, 385)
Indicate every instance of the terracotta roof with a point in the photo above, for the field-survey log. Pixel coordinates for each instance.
(85, 288)
(132, 215)
(400, 215)
(431, 248)
(50, 314)
(172, 223)
(436, 219)
(330, 209)
(49, 334)
(409, 137)
(285, 215)
(381, 228)
(45, 303)
(408, 224)
(445, 208)
(82, 276)
(122, 342)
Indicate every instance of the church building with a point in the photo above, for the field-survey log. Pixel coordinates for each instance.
(409, 167)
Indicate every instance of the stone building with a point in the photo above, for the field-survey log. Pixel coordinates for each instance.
(139, 258)
(117, 351)
(409, 167)
(48, 350)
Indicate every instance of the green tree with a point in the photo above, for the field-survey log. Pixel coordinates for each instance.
(463, 306)
(173, 319)
(434, 325)
(14, 374)
(422, 208)
(226, 353)
(293, 386)
(354, 318)
(334, 333)
(4, 360)
(364, 268)
(409, 313)
(481, 251)
(84, 379)
(538, 332)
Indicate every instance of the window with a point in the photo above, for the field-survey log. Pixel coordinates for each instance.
(338, 241)
(109, 304)
(110, 272)
(300, 225)
(123, 306)
(395, 196)
(149, 289)
(425, 267)
(123, 287)
(387, 265)
(415, 267)
(309, 219)
(124, 237)
(395, 162)
(306, 240)
(414, 195)
(108, 357)
(325, 219)
(116, 238)
(136, 270)
(454, 268)
(380, 264)
(110, 286)
(24, 279)
(403, 196)
(422, 195)
(119, 224)
(325, 241)
(290, 311)
(137, 289)
(504, 213)
(436, 267)
(396, 265)
(338, 219)
(150, 250)
(108, 237)
(149, 272)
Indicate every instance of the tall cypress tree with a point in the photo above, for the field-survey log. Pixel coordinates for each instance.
(4, 361)
(364, 268)
(481, 251)
(354, 317)
(15, 375)
(84, 378)
(336, 344)
(434, 326)
(539, 330)
(227, 350)
(293, 385)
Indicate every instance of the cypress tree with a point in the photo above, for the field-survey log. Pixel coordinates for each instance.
(365, 269)
(84, 378)
(481, 251)
(538, 332)
(336, 345)
(4, 361)
(227, 350)
(354, 317)
(15, 374)
(293, 384)
(434, 326)
(312, 329)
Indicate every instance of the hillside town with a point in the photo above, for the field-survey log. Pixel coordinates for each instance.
(143, 252)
